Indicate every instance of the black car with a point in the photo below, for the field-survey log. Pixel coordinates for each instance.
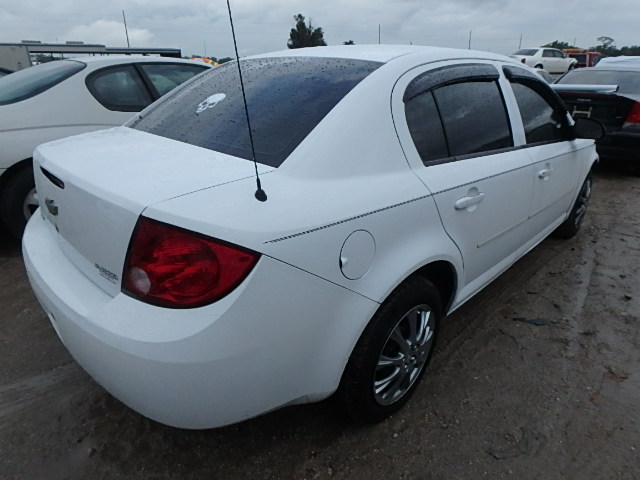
(611, 95)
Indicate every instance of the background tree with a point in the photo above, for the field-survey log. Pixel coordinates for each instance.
(559, 45)
(305, 36)
(42, 58)
(630, 50)
(606, 47)
(349, 42)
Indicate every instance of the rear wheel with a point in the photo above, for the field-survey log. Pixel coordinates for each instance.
(539, 66)
(391, 355)
(18, 200)
(571, 225)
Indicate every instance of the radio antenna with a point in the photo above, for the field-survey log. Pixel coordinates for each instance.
(260, 193)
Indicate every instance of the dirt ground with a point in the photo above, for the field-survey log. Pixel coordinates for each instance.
(537, 377)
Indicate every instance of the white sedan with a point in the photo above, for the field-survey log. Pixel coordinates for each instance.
(57, 99)
(550, 59)
(395, 183)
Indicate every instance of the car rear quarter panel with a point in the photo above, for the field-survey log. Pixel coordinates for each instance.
(288, 352)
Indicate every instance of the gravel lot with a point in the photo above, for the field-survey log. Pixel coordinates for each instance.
(537, 377)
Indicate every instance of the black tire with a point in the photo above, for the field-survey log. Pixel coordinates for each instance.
(539, 66)
(418, 301)
(12, 200)
(572, 224)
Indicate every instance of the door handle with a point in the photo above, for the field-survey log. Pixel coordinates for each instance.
(545, 173)
(466, 202)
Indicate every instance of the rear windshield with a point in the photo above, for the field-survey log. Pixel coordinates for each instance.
(628, 82)
(32, 81)
(526, 51)
(286, 97)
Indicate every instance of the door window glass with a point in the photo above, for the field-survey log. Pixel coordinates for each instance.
(167, 76)
(426, 128)
(542, 123)
(474, 117)
(119, 88)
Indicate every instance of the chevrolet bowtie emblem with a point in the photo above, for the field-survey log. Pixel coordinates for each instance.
(51, 206)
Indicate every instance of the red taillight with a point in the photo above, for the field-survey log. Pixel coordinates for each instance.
(634, 114)
(171, 267)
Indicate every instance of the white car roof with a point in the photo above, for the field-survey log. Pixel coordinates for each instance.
(384, 53)
(621, 61)
(119, 59)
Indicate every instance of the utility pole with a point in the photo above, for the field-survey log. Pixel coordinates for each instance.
(125, 28)
(520, 44)
(378, 34)
(470, 39)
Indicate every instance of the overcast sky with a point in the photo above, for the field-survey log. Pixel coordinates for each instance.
(202, 26)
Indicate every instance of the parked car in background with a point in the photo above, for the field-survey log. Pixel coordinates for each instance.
(67, 97)
(621, 60)
(5, 71)
(200, 303)
(609, 93)
(584, 57)
(550, 59)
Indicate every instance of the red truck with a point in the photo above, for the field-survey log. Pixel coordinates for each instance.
(584, 57)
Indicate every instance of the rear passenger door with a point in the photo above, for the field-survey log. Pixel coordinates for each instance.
(453, 124)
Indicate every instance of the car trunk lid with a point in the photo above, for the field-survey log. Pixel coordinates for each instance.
(600, 104)
(92, 189)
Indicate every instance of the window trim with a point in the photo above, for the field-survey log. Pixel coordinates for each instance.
(468, 156)
(476, 72)
(448, 75)
(531, 80)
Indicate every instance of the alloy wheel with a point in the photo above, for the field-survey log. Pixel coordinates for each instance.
(404, 355)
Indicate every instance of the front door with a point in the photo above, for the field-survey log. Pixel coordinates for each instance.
(554, 157)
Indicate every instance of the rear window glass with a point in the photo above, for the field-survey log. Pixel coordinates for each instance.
(32, 81)
(287, 98)
(526, 51)
(628, 82)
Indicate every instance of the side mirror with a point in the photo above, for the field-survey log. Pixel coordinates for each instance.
(588, 128)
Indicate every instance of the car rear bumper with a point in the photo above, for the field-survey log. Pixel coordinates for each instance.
(282, 337)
